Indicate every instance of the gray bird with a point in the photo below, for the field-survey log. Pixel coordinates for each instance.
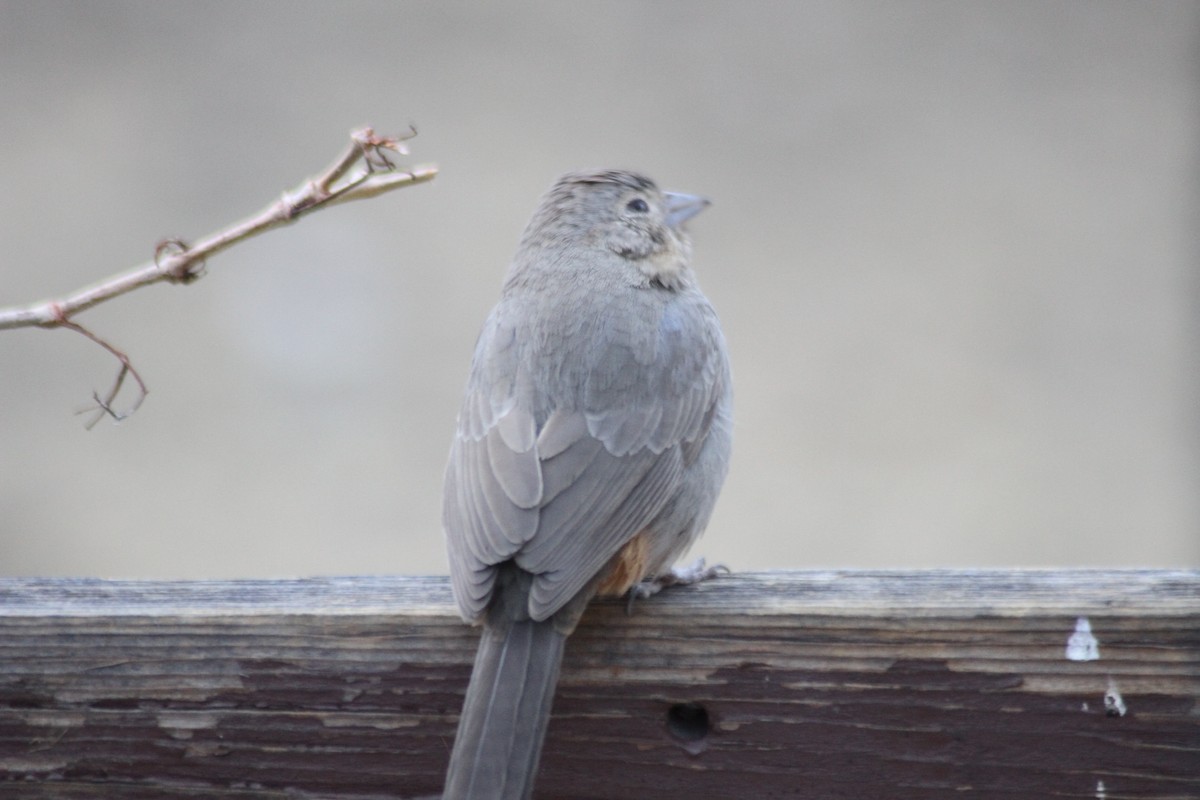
(590, 448)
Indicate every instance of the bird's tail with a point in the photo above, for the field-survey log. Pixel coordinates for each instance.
(504, 716)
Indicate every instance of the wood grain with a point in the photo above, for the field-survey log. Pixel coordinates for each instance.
(930, 684)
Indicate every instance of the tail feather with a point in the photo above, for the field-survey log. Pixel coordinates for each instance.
(507, 708)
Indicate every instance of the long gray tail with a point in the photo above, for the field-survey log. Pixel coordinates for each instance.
(504, 716)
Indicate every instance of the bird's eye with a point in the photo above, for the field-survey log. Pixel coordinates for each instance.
(637, 205)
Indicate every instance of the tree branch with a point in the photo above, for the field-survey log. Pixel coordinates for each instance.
(362, 171)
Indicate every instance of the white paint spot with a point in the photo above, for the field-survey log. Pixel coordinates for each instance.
(1114, 704)
(1082, 645)
(1100, 793)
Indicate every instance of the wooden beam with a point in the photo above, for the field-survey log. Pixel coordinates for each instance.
(923, 684)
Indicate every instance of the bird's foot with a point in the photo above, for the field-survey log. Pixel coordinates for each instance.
(695, 572)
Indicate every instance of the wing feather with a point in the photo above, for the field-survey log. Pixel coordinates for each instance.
(516, 472)
(564, 468)
(562, 429)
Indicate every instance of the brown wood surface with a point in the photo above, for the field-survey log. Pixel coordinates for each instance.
(930, 684)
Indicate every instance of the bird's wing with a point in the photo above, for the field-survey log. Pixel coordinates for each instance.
(563, 498)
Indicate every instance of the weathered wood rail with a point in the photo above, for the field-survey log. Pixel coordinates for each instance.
(929, 684)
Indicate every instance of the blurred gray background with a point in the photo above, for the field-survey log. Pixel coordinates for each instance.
(954, 247)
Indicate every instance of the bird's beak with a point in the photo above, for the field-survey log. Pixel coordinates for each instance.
(682, 207)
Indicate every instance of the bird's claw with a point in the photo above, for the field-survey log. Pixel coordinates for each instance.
(695, 572)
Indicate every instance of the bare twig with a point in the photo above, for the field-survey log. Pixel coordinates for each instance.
(104, 405)
(177, 262)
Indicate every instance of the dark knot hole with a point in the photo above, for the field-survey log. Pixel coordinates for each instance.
(688, 722)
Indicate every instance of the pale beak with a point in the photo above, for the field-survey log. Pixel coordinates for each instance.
(682, 207)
